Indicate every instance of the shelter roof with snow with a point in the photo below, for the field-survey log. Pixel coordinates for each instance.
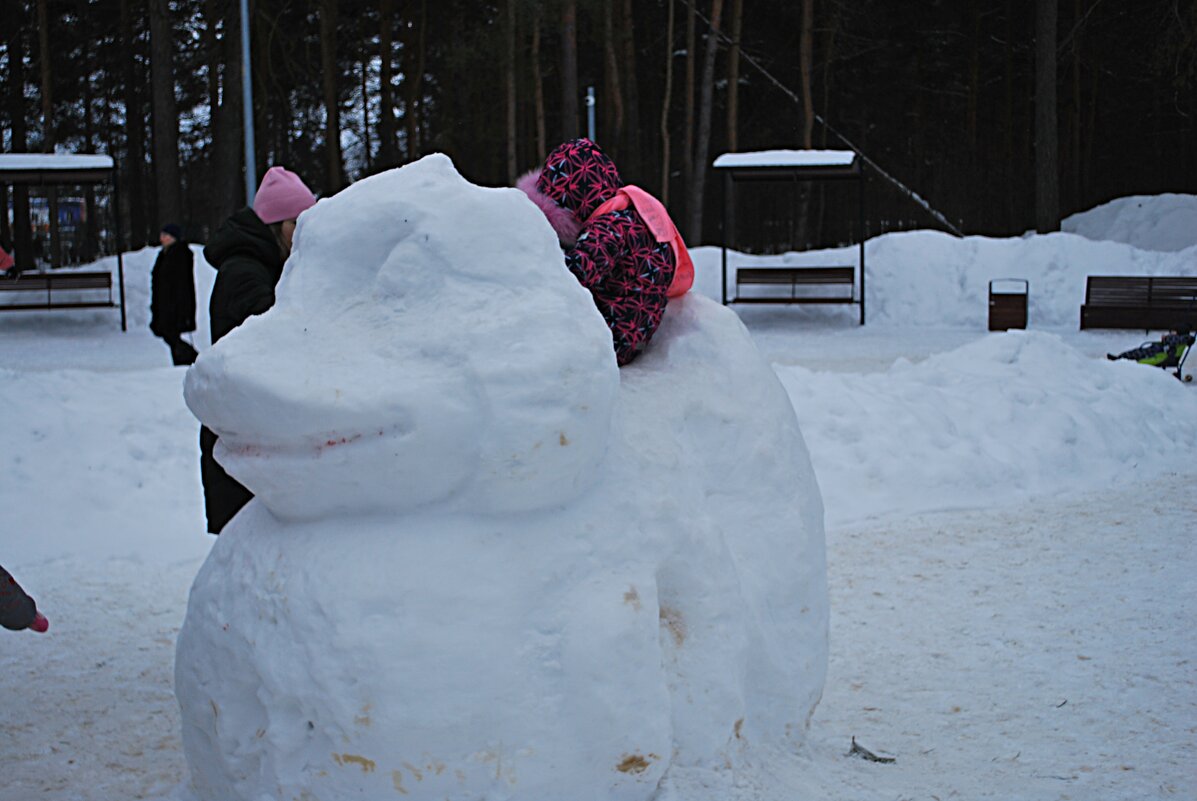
(787, 158)
(55, 168)
(773, 165)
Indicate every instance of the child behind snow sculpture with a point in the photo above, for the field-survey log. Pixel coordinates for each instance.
(619, 241)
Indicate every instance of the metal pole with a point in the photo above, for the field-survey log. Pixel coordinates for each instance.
(590, 102)
(247, 103)
(860, 180)
(115, 214)
(727, 230)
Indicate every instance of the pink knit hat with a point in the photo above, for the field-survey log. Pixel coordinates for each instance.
(282, 196)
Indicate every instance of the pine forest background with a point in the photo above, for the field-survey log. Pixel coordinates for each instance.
(941, 94)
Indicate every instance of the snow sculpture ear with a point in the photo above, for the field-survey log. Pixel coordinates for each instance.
(420, 371)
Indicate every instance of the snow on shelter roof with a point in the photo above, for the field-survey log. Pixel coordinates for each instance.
(787, 158)
(49, 168)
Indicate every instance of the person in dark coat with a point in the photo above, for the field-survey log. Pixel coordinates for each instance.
(248, 252)
(17, 610)
(172, 294)
(628, 268)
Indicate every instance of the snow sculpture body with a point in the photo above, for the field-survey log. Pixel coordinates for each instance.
(482, 563)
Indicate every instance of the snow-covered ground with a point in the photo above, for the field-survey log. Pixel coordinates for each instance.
(1009, 531)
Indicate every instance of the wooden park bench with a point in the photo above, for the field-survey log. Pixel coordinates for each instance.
(824, 281)
(1162, 303)
(81, 286)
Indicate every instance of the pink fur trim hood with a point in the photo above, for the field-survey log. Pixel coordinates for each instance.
(562, 219)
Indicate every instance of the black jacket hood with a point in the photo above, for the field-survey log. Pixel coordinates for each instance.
(244, 234)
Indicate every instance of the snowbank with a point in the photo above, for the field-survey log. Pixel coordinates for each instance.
(1149, 222)
(928, 278)
(1010, 416)
(482, 561)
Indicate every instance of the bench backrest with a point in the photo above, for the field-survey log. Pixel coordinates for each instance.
(796, 275)
(1140, 290)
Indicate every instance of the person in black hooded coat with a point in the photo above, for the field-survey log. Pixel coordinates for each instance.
(248, 252)
(172, 294)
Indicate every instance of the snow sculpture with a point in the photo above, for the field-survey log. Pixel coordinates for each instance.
(482, 562)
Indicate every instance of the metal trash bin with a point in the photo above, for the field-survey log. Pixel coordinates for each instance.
(1007, 304)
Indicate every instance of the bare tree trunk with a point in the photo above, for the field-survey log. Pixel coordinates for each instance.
(367, 155)
(1008, 117)
(134, 133)
(974, 77)
(614, 92)
(1091, 130)
(733, 77)
(806, 47)
(48, 133)
(414, 85)
(632, 155)
(22, 239)
(805, 58)
(228, 149)
(509, 70)
(1077, 188)
(91, 239)
(918, 115)
(569, 69)
(830, 32)
(538, 87)
(212, 58)
(665, 106)
(334, 175)
(388, 154)
(165, 116)
(704, 123)
(1047, 171)
(47, 84)
(688, 124)
(974, 202)
(271, 118)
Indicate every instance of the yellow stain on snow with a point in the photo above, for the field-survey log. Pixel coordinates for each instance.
(367, 765)
(673, 621)
(635, 763)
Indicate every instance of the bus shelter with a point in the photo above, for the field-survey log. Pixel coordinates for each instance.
(75, 288)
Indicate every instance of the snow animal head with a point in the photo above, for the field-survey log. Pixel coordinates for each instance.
(428, 346)
(576, 179)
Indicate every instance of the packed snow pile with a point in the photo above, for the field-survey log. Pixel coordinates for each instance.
(929, 278)
(483, 562)
(1165, 222)
(1009, 416)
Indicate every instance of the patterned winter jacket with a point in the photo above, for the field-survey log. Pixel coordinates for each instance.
(614, 255)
